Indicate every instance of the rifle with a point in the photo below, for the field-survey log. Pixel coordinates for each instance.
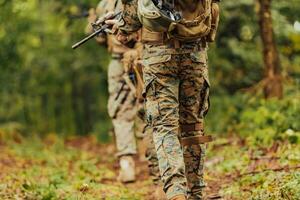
(130, 80)
(99, 28)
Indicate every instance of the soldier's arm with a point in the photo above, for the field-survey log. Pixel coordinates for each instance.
(100, 12)
(93, 16)
(129, 21)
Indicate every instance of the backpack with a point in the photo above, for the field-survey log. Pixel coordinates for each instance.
(199, 19)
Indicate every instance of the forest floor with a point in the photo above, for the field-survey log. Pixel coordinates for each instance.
(81, 168)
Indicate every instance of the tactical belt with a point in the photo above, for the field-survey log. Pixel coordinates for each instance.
(152, 37)
(199, 139)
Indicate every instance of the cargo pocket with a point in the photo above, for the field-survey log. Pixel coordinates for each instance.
(151, 103)
(153, 60)
(152, 65)
(204, 97)
(201, 58)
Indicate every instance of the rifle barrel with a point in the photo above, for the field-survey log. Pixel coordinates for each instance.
(97, 32)
(78, 44)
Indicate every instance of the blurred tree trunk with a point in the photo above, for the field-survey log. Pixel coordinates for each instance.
(273, 81)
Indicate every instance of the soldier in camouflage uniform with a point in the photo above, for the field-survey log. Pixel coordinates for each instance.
(122, 104)
(176, 85)
(132, 62)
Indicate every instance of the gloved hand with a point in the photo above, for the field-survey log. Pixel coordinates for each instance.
(122, 37)
(105, 17)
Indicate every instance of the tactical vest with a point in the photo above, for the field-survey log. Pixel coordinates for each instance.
(105, 6)
(198, 18)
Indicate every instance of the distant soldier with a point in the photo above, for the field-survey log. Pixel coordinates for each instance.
(133, 63)
(175, 34)
(122, 104)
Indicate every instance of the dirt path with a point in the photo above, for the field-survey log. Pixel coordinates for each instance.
(214, 184)
(82, 168)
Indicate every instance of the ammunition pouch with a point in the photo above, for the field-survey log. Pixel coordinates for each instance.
(189, 30)
(160, 38)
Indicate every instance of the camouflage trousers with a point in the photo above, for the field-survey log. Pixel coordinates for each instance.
(122, 109)
(151, 157)
(177, 94)
(146, 145)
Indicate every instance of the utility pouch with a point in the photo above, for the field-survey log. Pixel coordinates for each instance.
(215, 18)
(203, 26)
(188, 30)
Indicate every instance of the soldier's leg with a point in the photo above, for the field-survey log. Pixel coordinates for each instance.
(162, 108)
(194, 89)
(157, 192)
(140, 131)
(150, 154)
(152, 157)
(122, 110)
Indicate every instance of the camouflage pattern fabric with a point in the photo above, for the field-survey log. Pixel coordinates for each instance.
(151, 157)
(129, 22)
(146, 146)
(122, 109)
(176, 90)
(122, 102)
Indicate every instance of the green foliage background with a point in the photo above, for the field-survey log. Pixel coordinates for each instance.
(45, 86)
(47, 89)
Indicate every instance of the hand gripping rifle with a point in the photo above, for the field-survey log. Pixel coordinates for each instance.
(99, 28)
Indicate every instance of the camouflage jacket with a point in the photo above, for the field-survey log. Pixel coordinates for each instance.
(105, 6)
(130, 21)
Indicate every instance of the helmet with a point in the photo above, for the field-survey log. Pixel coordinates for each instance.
(154, 18)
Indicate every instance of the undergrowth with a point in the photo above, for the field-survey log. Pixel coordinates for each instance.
(256, 119)
(32, 169)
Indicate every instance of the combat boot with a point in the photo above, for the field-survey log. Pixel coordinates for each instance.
(179, 197)
(127, 169)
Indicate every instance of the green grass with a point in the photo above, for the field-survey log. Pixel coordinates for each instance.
(81, 168)
(36, 170)
(256, 173)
